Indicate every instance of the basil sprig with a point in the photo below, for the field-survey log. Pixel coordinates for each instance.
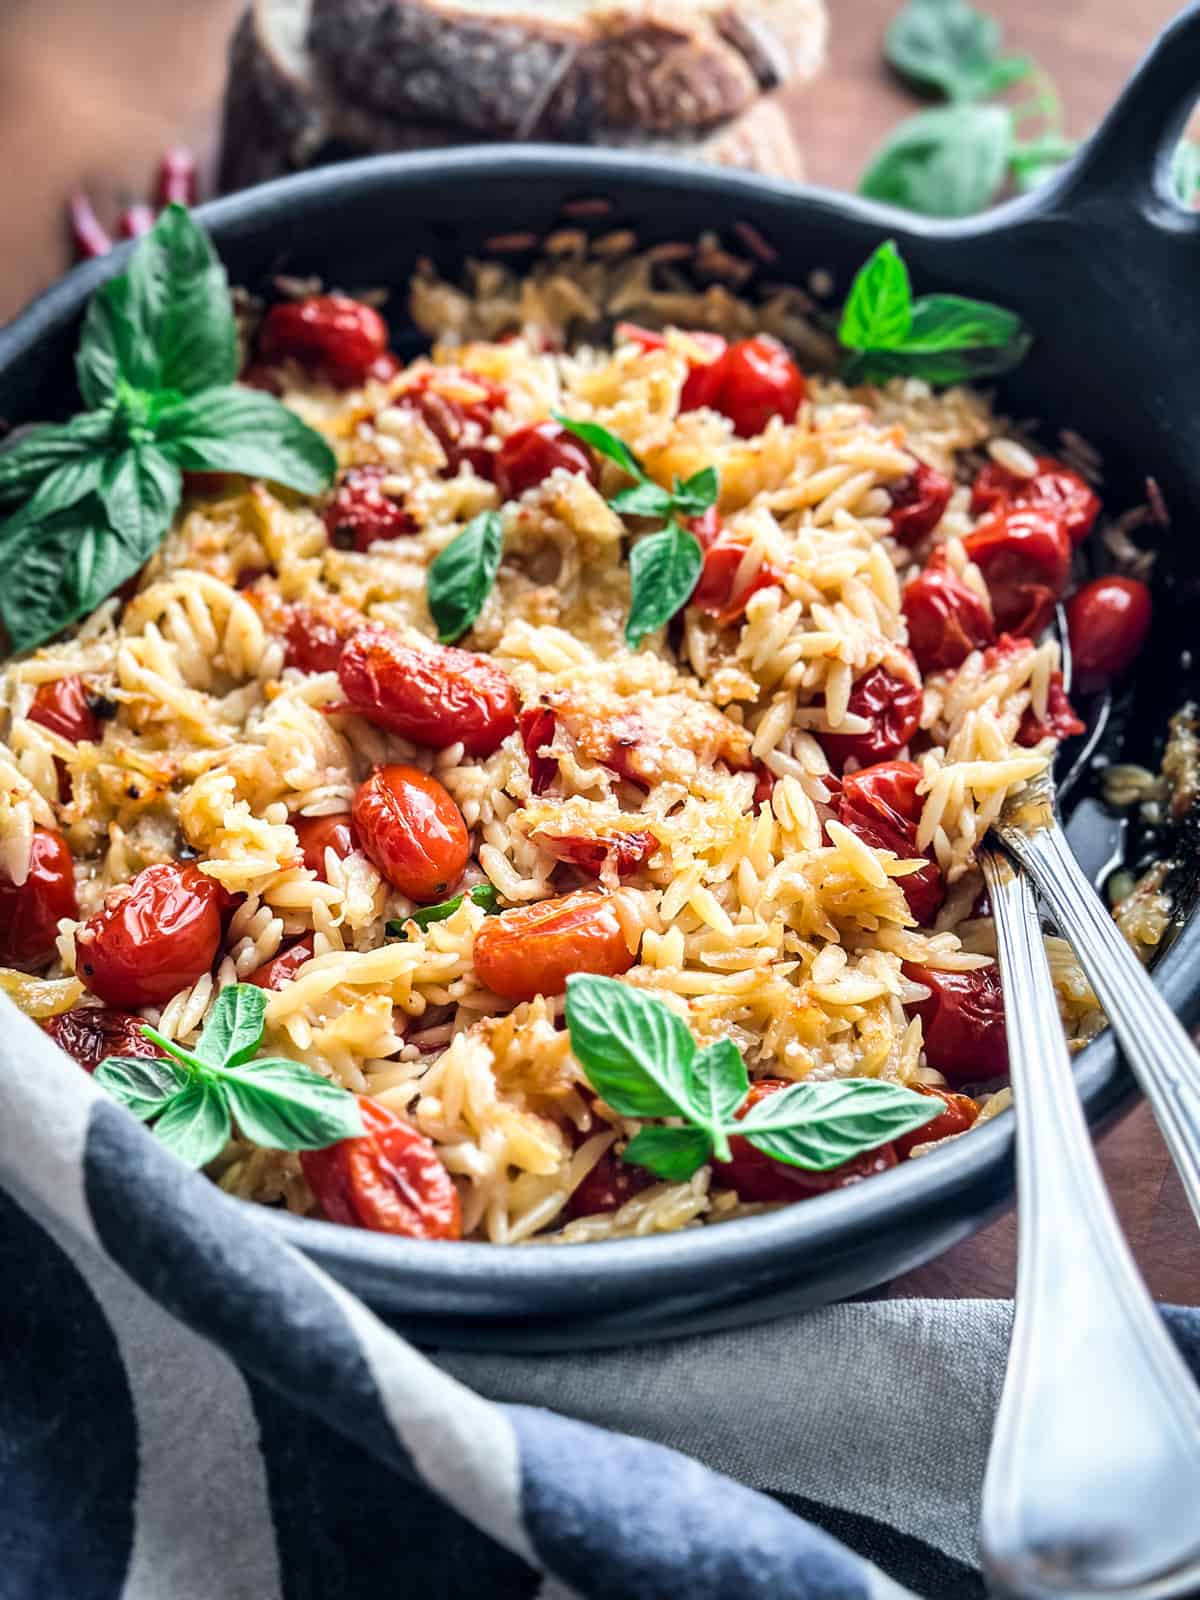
(953, 47)
(90, 500)
(642, 1061)
(194, 1096)
(664, 567)
(483, 894)
(943, 338)
(460, 578)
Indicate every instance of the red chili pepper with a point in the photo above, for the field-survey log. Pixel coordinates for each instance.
(135, 221)
(91, 240)
(176, 183)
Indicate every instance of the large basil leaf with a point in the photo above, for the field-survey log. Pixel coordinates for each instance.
(636, 1052)
(141, 490)
(461, 578)
(878, 309)
(821, 1125)
(949, 162)
(28, 460)
(234, 429)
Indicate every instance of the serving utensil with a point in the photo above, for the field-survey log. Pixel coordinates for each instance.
(1093, 1481)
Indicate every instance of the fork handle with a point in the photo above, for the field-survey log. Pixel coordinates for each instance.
(1162, 1057)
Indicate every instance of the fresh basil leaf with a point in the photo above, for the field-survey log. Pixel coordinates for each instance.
(284, 1106)
(1034, 160)
(143, 1084)
(483, 894)
(670, 1153)
(951, 322)
(636, 1052)
(820, 1125)
(948, 162)
(58, 570)
(878, 309)
(62, 488)
(719, 1082)
(234, 1028)
(140, 491)
(195, 1125)
(697, 493)
(664, 568)
(113, 347)
(1185, 180)
(949, 45)
(940, 368)
(461, 578)
(605, 443)
(234, 429)
(643, 500)
(28, 460)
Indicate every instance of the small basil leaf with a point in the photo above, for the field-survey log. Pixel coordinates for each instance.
(284, 1106)
(141, 490)
(636, 1052)
(234, 1028)
(820, 1125)
(949, 45)
(29, 459)
(461, 578)
(195, 1125)
(670, 1153)
(643, 500)
(1185, 176)
(878, 309)
(719, 1082)
(948, 162)
(950, 322)
(483, 894)
(234, 429)
(58, 570)
(143, 1084)
(663, 569)
(937, 367)
(605, 443)
(697, 493)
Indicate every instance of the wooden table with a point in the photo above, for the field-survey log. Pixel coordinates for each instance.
(92, 94)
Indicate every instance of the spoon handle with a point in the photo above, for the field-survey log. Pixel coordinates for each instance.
(1094, 1474)
(1162, 1057)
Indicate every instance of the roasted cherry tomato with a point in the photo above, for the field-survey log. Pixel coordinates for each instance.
(627, 850)
(89, 1033)
(460, 426)
(756, 1176)
(719, 593)
(1060, 721)
(1025, 557)
(537, 733)
(435, 696)
(360, 513)
(753, 381)
(1107, 621)
(706, 527)
(317, 634)
(919, 500)
(281, 969)
(607, 1187)
(318, 834)
(533, 453)
(1054, 488)
(881, 806)
(412, 830)
(960, 1114)
(63, 707)
(154, 936)
(963, 1022)
(946, 619)
(389, 1180)
(891, 704)
(530, 950)
(329, 333)
(29, 912)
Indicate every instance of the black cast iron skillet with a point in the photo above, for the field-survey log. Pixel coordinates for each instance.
(1105, 267)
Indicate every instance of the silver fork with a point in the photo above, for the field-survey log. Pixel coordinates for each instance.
(1093, 1482)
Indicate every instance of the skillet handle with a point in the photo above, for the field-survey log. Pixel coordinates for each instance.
(1127, 161)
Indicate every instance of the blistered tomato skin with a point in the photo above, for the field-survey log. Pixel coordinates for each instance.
(330, 333)
(318, 834)
(1024, 555)
(607, 1187)
(627, 850)
(946, 619)
(1059, 722)
(960, 1114)
(720, 593)
(90, 1033)
(317, 634)
(881, 806)
(281, 969)
(531, 950)
(152, 938)
(537, 733)
(30, 912)
(1054, 488)
(755, 1176)
(461, 426)
(892, 705)
(360, 514)
(531, 454)
(919, 500)
(751, 382)
(436, 696)
(389, 1180)
(412, 830)
(63, 707)
(963, 1022)
(1108, 621)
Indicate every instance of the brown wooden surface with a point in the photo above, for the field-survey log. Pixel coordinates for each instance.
(90, 94)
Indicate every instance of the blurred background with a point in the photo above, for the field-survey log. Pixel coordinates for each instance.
(91, 97)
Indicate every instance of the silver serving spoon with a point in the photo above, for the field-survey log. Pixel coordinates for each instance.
(1093, 1481)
